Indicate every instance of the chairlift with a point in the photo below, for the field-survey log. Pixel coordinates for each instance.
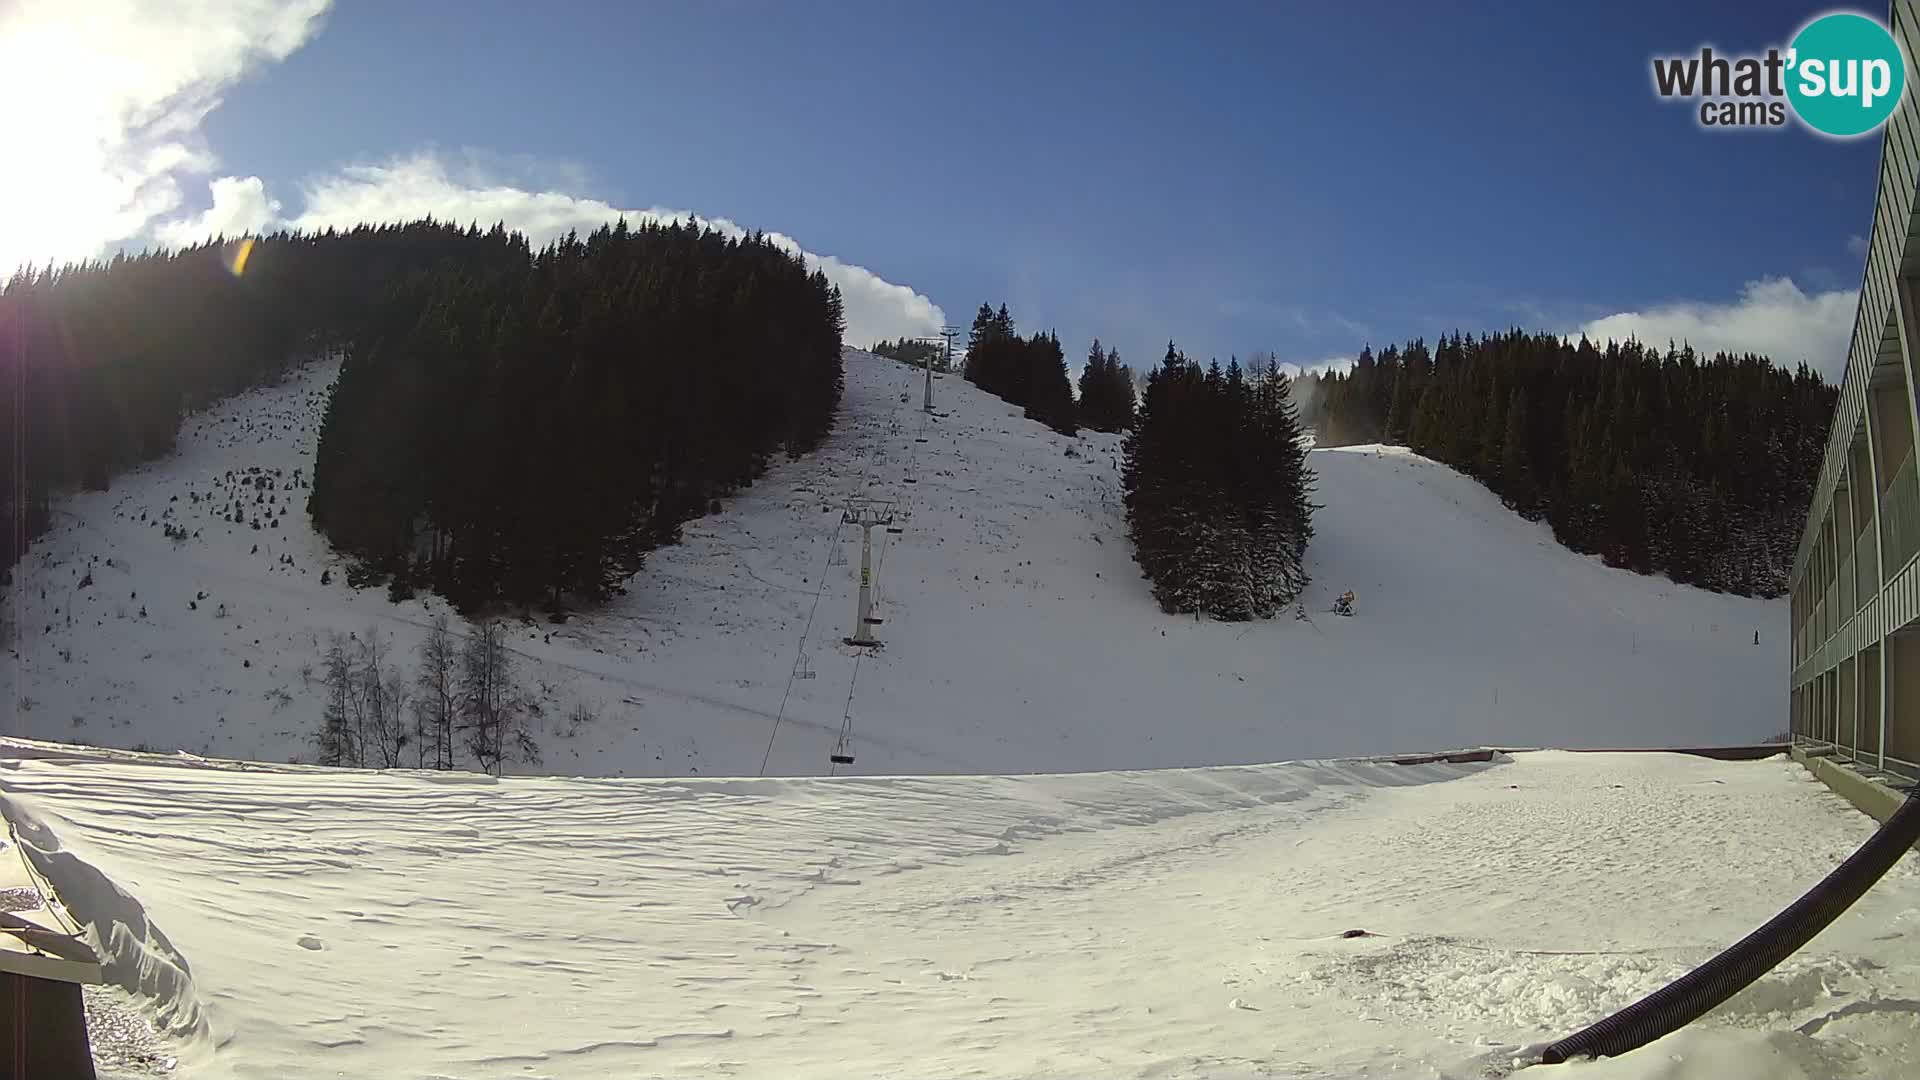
(842, 753)
(803, 668)
(898, 529)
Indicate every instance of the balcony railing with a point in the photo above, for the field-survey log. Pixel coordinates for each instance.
(1900, 516)
(1844, 590)
(1866, 568)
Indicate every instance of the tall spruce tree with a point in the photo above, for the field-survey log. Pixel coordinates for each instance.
(1049, 393)
(1106, 390)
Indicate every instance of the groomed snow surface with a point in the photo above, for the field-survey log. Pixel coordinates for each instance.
(1020, 635)
(298, 923)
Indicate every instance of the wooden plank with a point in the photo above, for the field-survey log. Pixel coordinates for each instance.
(28, 948)
(43, 1030)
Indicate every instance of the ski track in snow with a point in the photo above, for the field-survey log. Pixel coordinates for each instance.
(1020, 636)
(1175, 923)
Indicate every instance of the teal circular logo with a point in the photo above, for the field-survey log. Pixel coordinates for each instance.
(1845, 74)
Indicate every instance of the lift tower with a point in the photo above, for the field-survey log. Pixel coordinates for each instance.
(866, 513)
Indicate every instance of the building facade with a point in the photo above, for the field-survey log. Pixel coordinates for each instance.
(1855, 582)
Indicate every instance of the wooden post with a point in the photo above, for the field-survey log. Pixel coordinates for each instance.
(43, 1029)
(43, 1017)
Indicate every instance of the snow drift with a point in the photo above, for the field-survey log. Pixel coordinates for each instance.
(1175, 923)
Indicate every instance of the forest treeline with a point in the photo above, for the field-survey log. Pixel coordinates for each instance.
(1660, 461)
(917, 353)
(1216, 488)
(1214, 468)
(1107, 399)
(525, 434)
(100, 361)
(1031, 372)
(509, 427)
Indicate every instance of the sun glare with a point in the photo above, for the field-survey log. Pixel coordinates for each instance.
(80, 193)
(236, 255)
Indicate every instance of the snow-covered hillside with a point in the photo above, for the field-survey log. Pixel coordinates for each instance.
(1019, 634)
(299, 923)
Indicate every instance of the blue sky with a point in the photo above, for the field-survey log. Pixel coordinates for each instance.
(1301, 178)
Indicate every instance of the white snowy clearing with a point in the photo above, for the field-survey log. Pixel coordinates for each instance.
(1019, 634)
(287, 921)
(291, 922)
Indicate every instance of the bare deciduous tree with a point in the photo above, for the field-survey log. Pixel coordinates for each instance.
(492, 708)
(363, 722)
(337, 743)
(438, 705)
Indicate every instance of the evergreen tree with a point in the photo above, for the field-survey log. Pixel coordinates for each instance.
(1216, 490)
(1516, 454)
(1122, 399)
(915, 353)
(1106, 390)
(1049, 395)
(1093, 385)
(1028, 372)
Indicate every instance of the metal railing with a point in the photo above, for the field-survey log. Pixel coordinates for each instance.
(1900, 515)
(1849, 597)
(1866, 568)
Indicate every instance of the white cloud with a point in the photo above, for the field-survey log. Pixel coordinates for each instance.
(1857, 246)
(107, 99)
(408, 188)
(104, 104)
(239, 206)
(1772, 317)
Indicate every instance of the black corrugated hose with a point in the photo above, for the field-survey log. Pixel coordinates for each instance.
(1684, 1000)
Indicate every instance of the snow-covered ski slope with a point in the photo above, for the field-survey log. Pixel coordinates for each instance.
(296, 923)
(1019, 634)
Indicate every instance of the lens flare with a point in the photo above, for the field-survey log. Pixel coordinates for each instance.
(237, 254)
